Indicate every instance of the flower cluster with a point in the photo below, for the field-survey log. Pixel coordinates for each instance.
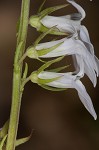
(75, 43)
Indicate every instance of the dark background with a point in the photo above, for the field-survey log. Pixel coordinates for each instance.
(59, 120)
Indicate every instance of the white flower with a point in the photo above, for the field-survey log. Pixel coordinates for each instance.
(67, 80)
(78, 45)
(62, 22)
(71, 46)
(82, 48)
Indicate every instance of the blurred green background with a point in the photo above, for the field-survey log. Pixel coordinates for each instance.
(59, 120)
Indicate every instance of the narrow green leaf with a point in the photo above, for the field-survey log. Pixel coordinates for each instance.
(4, 130)
(23, 140)
(25, 71)
(46, 81)
(41, 7)
(51, 88)
(46, 51)
(2, 142)
(51, 9)
(49, 63)
(59, 69)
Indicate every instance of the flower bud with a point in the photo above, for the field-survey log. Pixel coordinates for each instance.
(35, 22)
(34, 77)
(32, 53)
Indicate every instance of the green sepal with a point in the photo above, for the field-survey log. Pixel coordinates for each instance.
(51, 88)
(46, 81)
(2, 142)
(54, 31)
(58, 69)
(22, 140)
(49, 10)
(43, 61)
(42, 36)
(47, 50)
(49, 63)
(40, 8)
(4, 130)
(25, 72)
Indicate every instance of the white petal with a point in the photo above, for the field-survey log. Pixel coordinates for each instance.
(63, 24)
(66, 48)
(49, 44)
(85, 98)
(84, 35)
(78, 7)
(79, 66)
(97, 63)
(88, 57)
(76, 65)
(91, 74)
(84, 68)
(63, 82)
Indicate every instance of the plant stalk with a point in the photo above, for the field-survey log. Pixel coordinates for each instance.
(17, 73)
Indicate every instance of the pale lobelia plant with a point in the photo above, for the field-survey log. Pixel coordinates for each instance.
(76, 42)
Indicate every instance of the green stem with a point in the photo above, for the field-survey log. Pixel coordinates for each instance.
(23, 57)
(17, 73)
(24, 82)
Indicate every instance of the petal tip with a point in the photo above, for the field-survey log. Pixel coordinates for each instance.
(95, 117)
